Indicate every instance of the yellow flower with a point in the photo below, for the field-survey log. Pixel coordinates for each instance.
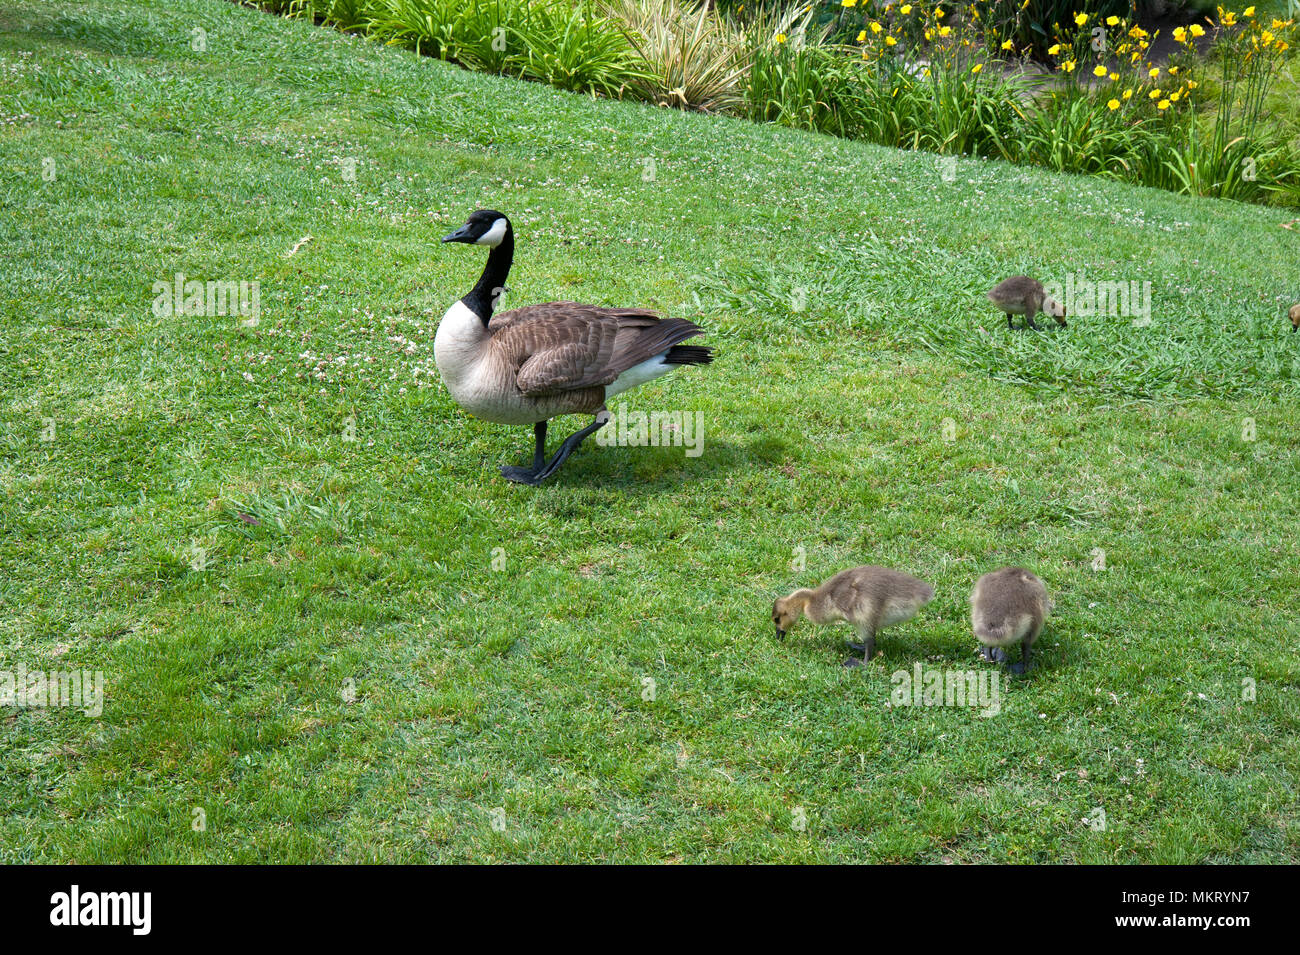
(944, 31)
(1128, 94)
(925, 72)
(1080, 19)
(1173, 71)
(929, 35)
(1192, 84)
(780, 38)
(1154, 72)
(875, 27)
(1155, 94)
(1180, 35)
(890, 41)
(1266, 38)
(939, 13)
(848, 3)
(1176, 96)
(1283, 46)
(1163, 104)
(1228, 19)
(1248, 12)
(1068, 66)
(905, 9)
(1114, 77)
(977, 67)
(1113, 105)
(1054, 49)
(1007, 45)
(1112, 21)
(862, 36)
(1099, 71)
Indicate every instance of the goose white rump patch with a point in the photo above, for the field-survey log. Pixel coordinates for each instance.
(648, 370)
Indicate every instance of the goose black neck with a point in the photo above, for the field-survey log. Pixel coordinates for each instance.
(492, 283)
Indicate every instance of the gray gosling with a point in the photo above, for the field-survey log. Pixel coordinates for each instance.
(1007, 607)
(1021, 295)
(1294, 314)
(869, 598)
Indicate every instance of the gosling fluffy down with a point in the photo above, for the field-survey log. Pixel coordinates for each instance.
(870, 598)
(1007, 607)
(1022, 295)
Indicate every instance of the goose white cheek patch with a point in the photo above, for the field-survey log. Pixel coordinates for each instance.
(494, 235)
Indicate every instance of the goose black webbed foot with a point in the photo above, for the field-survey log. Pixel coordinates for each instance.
(994, 654)
(860, 647)
(853, 662)
(543, 469)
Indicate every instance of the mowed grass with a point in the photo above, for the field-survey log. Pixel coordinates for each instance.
(388, 642)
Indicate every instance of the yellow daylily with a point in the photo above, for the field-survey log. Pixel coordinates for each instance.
(1007, 45)
(1155, 94)
(876, 27)
(1113, 105)
(1192, 84)
(1180, 35)
(1080, 19)
(848, 3)
(905, 9)
(977, 67)
(1099, 71)
(1128, 94)
(1054, 49)
(1069, 66)
(1153, 72)
(890, 41)
(1248, 12)
(1173, 71)
(862, 36)
(780, 38)
(1112, 21)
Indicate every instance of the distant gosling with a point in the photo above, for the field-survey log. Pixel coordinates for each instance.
(1294, 313)
(1008, 606)
(1021, 295)
(870, 598)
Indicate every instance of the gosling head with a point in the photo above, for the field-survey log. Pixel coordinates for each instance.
(1294, 315)
(484, 227)
(784, 614)
(1055, 309)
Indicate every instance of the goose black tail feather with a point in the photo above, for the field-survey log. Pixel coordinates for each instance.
(689, 355)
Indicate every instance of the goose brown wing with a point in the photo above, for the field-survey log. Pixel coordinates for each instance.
(564, 346)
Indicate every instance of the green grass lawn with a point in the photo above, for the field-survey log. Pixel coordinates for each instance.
(387, 642)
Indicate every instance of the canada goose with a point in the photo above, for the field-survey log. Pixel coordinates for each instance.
(1294, 314)
(530, 364)
(1008, 606)
(1021, 295)
(870, 598)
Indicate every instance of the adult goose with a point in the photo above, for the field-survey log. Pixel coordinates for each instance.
(530, 364)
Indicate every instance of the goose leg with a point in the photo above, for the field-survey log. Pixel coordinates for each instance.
(867, 646)
(1030, 320)
(524, 475)
(1010, 325)
(540, 472)
(1023, 665)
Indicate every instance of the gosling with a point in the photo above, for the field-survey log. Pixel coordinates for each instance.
(1021, 295)
(1294, 313)
(870, 598)
(1008, 606)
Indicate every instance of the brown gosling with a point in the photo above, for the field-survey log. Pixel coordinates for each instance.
(1021, 295)
(1294, 314)
(870, 598)
(1008, 606)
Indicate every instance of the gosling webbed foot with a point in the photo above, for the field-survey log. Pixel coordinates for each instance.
(859, 647)
(994, 654)
(853, 662)
(1017, 668)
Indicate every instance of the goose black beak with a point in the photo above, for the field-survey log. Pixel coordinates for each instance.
(780, 634)
(460, 235)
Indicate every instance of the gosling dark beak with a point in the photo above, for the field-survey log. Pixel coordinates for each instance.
(460, 235)
(780, 634)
